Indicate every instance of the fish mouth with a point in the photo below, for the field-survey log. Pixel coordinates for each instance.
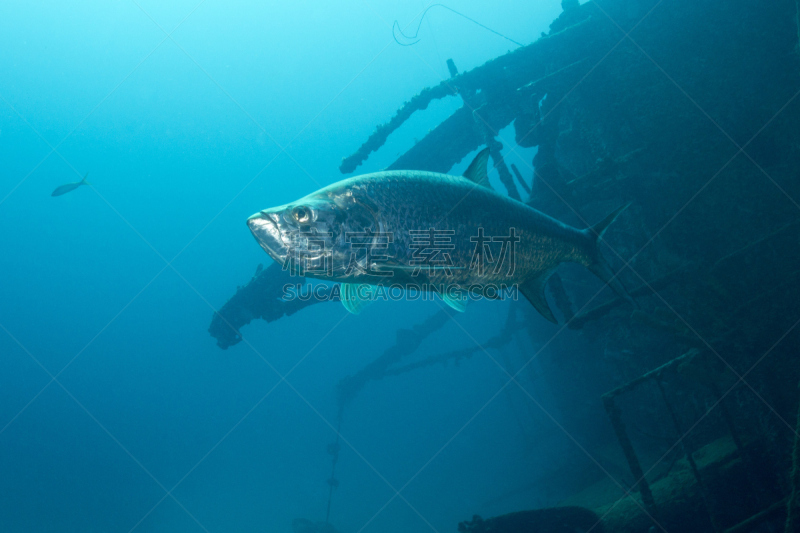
(264, 227)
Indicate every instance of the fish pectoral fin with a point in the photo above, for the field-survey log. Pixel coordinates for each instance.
(457, 303)
(476, 173)
(355, 296)
(533, 290)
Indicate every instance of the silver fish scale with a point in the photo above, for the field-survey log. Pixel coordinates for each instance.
(413, 200)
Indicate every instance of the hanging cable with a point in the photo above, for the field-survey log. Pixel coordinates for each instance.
(396, 27)
(433, 36)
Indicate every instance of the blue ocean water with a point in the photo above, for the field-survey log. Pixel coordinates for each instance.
(117, 410)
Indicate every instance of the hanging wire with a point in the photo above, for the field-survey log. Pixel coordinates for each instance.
(333, 483)
(396, 27)
(435, 44)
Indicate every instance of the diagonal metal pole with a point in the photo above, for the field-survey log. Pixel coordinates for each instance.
(630, 454)
(687, 450)
(793, 505)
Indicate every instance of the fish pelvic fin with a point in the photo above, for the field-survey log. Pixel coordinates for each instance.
(533, 290)
(355, 297)
(476, 172)
(455, 302)
(595, 261)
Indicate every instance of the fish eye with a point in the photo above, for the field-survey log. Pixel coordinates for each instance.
(301, 214)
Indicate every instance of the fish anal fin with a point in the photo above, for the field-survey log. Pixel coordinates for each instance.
(476, 172)
(533, 290)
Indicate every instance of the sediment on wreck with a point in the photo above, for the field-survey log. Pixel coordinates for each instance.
(798, 25)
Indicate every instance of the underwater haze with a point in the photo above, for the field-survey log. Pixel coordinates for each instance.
(118, 411)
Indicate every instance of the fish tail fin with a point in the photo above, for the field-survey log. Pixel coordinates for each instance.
(596, 263)
(533, 288)
(83, 181)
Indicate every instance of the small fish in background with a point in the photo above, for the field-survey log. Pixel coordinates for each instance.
(64, 189)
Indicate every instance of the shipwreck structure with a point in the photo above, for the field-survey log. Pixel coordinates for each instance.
(690, 111)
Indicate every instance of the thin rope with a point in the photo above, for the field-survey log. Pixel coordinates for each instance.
(396, 27)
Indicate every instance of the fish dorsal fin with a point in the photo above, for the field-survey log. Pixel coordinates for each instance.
(350, 298)
(533, 290)
(459, 304)
(476, 173)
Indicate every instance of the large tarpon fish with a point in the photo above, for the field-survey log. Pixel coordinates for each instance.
(373, 230)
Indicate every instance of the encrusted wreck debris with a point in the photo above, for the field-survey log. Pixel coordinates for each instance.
(408, 340)
(554, 520)
(689, 110)
(262, 298)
